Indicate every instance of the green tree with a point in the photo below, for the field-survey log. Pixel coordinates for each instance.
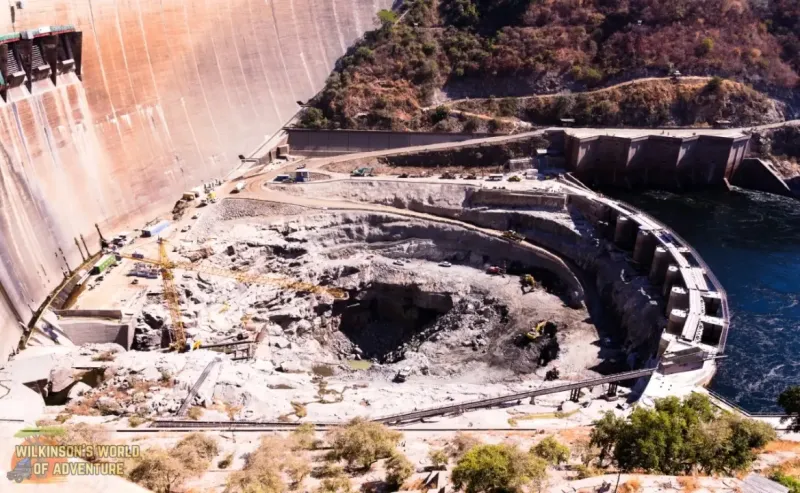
(438, 458)
(789, 400)
(362, 442)
(398, 470)
(552, 451)
(440, 113)
(312, 118)
(498, 468)
(387, 17)
(605, 434)
(679, 437)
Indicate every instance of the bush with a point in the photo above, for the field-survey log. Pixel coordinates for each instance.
(438, 458)
(304, 436)
(471, 125)
(498, 468)
(159, 471)
(583, 471)
(262, 471)
(312, 118)
(714, 84)
(362, 442)
(85, 434)
(195, 412)
(195, 452)
(461, 444)
(439, 114)
(398, 470)
(336, 484)
(299, 409)
(705, 47)
(552, 451)
(790, 482)
(633, 485)
(387, 17)
(135, 421)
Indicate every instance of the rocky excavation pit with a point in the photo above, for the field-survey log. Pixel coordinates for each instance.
(420, 303)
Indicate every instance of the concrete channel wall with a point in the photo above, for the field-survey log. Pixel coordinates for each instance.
(653, 158)
(697, 308)
(170, 92)
(306, 142)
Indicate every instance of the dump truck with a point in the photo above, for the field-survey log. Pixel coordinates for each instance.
(514, 178)
(494, 270)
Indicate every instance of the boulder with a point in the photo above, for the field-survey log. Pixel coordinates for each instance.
(154, 315)
(107, 405)
(200, 254)
(292, 367)
(78, 390)
(61, 377)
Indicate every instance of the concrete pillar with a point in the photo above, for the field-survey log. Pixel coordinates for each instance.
(676, 321)
(678, 298)
(644, 248)
(713, 302)
(658, 269)
(625, 233)
(673, 277)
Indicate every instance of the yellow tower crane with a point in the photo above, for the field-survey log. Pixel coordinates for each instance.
(172, 297)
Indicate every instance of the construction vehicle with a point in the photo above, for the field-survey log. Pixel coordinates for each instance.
(172, 297)
(403, 175)
(513, 236)
(514, 178)
(361, 172)
(494, 270)
(402, 375)
(528, 281)
(212, 196)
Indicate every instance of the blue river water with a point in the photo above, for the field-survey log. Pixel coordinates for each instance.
(751, 241)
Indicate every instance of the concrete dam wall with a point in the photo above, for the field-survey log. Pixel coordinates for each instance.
(162, 95)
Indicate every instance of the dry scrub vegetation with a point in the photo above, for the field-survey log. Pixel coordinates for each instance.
(478, 48)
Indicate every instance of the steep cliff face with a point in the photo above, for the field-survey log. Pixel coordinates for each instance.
(171, 92)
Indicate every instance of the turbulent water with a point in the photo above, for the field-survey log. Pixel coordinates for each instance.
(752, 243)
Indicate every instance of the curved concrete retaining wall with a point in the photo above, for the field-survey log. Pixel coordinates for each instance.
(171, 92)
(697, 307)
(334, 142)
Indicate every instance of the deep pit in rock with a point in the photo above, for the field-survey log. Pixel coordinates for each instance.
(380, 319)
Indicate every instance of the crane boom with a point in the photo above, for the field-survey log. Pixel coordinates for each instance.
(171, 297)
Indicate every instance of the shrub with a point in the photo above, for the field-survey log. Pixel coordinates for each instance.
(312, 118)
(195, 412)
(552, 451)
(471, 124)
(262, 471)
(439, 114)
(299, 409)
(362, 442)
(135, 421)
(461, 444)
(159, 471)
(398, 470)
(304, 436)
(438, 458)
(633, 485)
(496, 468)
(714, 84)
(790, 482)
(225, 462)
(705, 47)
(387, 17)
(583, 471)
(85, 434)
(195, 452)
(336, 484)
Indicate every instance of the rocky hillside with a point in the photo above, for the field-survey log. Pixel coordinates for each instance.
(439, 50)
